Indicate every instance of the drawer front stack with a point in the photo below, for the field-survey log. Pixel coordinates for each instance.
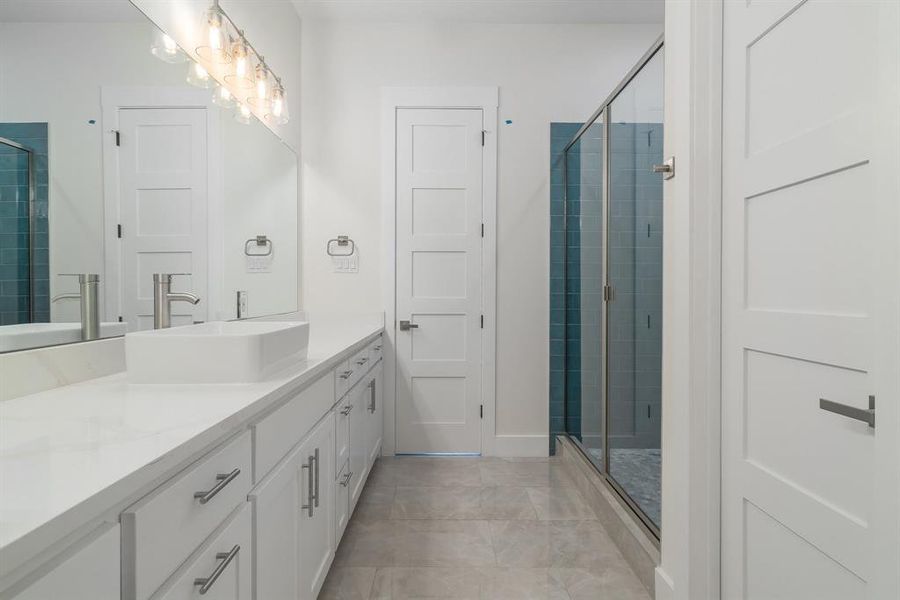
(164, 528)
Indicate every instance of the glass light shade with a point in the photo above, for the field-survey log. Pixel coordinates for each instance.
(242, 114)
(198, 76)
(261, 96)
(165, 49)
(222, 97)
(215, 45)
(241, 74)
(278, 112)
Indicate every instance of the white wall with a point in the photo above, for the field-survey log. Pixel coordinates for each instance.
(545, 74)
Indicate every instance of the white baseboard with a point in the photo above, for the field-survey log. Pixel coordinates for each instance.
(530, 446)
(665, 587)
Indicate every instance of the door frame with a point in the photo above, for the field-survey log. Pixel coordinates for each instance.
(692, 396)
(487, 100)
(112, 99)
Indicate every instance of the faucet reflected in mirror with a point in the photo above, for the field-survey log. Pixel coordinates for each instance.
(163, 298)
(88, 288)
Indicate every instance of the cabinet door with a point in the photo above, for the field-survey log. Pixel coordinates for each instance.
(316, 526)
(91, 573)
(341, 503)
(359, 452)
(276, 506)
(374, 415)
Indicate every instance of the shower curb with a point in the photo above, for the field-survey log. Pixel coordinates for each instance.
(640, 550)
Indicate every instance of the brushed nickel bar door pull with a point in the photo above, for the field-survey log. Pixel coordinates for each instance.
(845, 410)
(223, 479)
(316, 497)
(406, 326)
(206, 583)
(310, 483)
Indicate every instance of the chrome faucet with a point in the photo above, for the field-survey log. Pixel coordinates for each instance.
(163, 298)
(88, 287)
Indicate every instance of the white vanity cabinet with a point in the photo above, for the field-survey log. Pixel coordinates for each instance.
(90, 572)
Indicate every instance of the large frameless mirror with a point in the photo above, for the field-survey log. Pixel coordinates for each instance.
(119, 160)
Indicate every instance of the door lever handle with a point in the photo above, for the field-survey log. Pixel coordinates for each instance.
(845, 410)
(406, 326)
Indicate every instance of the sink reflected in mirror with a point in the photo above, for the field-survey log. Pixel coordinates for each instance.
(215, 352)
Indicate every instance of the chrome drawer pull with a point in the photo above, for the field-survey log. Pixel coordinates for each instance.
(377, 348)
(346, 479)
(308, 507)
(206, 583)
(346, 374)
(372, 402)
(223, 479)
(346, 410)
(362, 361)
(860, 414)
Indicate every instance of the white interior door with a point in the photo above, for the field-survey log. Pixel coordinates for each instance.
(163, 209)
(439, 282)
(811, 300)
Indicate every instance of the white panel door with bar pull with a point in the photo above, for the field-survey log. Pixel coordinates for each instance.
(439, 280)
(163, 182)
(811, 301)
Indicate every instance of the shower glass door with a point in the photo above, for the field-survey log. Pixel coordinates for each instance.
(634, 314)
(613, 290)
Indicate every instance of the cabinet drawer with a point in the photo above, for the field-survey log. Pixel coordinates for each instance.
(277, 433)
(162, 529)
(342, 432)
(222, 567)
(360, 363)
(341, 502)
(376, 350)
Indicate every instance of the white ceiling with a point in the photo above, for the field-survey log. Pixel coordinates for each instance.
(486, 11)
(69, 11)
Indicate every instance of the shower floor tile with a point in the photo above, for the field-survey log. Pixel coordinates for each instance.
(639, 472)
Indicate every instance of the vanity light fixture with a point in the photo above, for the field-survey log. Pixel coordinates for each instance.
(198, 76)
(216, 49)
(225, 59)
(165, 49)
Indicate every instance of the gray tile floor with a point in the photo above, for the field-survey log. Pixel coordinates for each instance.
(476, 528)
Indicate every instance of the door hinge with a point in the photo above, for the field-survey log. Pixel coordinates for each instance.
(120, 318)
(607, 293)
(482, 321)
(118, 137)
(482, 230)
(483, 132)
(481, 412)
(119, 231)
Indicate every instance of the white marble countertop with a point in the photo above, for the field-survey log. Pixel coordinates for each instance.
(70, 453)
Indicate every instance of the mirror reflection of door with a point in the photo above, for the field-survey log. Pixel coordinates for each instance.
(162, 177)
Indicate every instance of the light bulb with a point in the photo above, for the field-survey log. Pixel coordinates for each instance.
(198, 76)
(260, 98)
(241, 76)
(215, 49)
(222, 97)
(279, 110)
(165, 49)
(242, 114)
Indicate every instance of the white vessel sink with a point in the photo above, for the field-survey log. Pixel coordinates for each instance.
(215, 352)
(38, 335)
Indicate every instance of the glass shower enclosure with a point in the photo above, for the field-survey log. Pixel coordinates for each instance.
(614, 220)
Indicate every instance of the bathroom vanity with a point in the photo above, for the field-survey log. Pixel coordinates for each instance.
(112, 489)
